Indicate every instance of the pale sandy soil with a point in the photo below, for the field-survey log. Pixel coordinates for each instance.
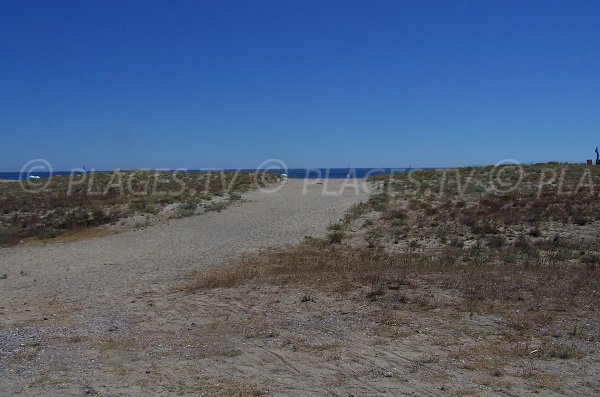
(77, 317)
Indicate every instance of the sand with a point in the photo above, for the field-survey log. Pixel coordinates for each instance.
(63, 304)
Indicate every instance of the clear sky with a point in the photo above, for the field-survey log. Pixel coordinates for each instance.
(315, 83)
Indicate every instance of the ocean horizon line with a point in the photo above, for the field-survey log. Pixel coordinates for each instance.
(292, 173)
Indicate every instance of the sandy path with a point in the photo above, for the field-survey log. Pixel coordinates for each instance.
(100, 270)
(98, 289)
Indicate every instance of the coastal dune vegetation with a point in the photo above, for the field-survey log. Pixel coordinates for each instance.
(76, 203)
(503, 283)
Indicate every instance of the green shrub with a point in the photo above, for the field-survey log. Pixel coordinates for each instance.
(214, 206)
(335, 226)
(187, 209)
(335, 237)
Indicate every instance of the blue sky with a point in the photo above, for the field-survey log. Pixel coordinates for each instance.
(314, 83)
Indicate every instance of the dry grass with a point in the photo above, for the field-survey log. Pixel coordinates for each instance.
(77, 235)
(524, 260)
(71, 205)
(216, 388)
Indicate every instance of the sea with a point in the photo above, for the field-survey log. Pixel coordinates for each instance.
(292, 173)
